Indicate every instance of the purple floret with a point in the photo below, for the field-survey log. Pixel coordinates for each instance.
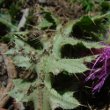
(99, 74)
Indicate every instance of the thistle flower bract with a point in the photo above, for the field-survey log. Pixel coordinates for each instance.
(99, 74)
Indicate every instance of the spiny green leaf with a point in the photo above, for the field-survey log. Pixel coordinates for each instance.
(23, 45)
(59, 42)
(89, 28)
(20, 44)
(44, 24)
(25, 91)
(85, 24)
(22, 61)
(48, 20)
(69, 65)
(20, 90)
(65, 101)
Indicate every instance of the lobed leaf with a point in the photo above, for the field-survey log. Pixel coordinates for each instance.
(65, 101)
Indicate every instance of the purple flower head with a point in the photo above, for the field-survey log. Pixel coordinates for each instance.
(100, 70)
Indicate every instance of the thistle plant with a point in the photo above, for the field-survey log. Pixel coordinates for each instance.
(48, 62)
